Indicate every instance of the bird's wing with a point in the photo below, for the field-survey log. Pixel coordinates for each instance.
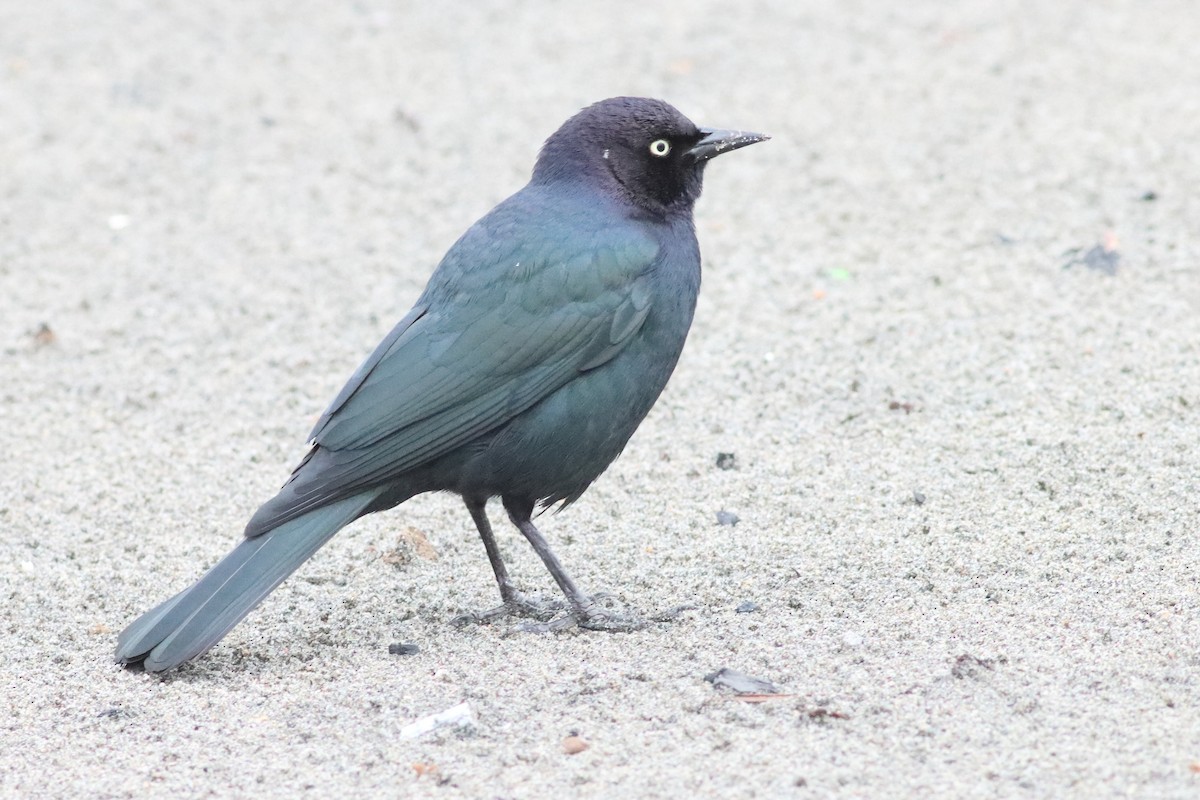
(393, 339)
(481, 347)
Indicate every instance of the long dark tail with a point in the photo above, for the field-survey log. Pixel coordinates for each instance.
(195, 619)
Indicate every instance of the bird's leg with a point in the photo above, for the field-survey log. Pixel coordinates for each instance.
(476, 506)
(514, 602)
(584, 610)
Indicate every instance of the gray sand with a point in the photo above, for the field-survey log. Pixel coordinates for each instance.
(967, 468)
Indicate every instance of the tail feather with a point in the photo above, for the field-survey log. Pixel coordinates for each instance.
(197, 618)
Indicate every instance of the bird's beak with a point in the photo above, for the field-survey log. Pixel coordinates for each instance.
(716, 142)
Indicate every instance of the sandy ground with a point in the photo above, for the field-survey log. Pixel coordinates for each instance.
(966, 450)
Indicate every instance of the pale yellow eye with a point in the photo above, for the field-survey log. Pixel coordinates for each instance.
(660, 147)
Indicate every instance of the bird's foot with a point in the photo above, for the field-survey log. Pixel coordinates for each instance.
(610, 622)
(597, 614)
(516, 604)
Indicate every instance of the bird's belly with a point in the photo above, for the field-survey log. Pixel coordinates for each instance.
(558, 447)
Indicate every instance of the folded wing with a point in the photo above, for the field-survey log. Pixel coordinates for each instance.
(473, 354)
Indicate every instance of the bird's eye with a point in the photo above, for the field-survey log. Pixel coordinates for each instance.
(660, 147)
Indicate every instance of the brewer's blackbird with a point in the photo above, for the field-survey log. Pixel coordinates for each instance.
(540, 343)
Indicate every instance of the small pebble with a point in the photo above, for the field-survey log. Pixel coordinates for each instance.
(747, 607)
(403, 649)
(573, 745)
(919, 498)
(727, 518)
(726, 461)
(1102, 260)
(44, 335)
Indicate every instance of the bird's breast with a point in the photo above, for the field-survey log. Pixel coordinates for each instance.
(555, 449)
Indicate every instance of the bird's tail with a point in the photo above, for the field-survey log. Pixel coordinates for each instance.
(195, 619)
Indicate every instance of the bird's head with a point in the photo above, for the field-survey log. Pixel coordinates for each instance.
(637, 147)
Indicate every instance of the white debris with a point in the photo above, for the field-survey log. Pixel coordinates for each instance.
(459, 716)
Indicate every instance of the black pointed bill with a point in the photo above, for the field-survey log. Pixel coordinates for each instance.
(716, 142)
